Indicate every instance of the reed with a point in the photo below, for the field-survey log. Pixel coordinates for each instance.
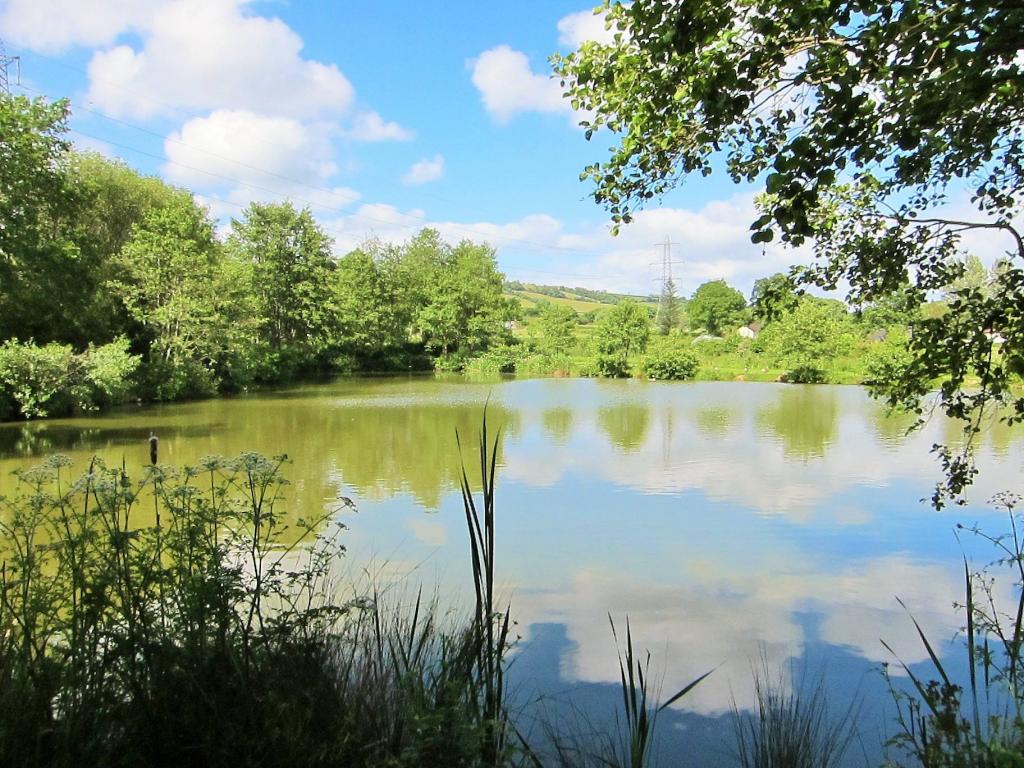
(793, 725)
(937, 727)
(639, 715)
(490, 625)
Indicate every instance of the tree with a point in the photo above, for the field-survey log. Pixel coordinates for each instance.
(668, 308)
(973, 276)
(555, 329)
(369, 310)
(465, 309)
(861, 119)
(899, 308)
(623, 329)
(716, 306)
(806, 340)
(292, 269)
(113, 198)
(772, 297)
(46, 284)
(170, 267)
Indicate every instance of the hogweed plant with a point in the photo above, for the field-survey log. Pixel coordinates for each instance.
(125, 626)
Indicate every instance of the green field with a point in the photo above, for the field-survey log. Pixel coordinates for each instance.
(529, 299)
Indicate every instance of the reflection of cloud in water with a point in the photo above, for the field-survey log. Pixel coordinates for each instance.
(727, 622)
(786, 449)
(427, 530)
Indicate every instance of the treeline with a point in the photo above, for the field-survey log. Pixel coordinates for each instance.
(116, 284)
(717, 333)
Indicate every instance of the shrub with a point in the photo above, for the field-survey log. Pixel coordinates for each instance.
(671, 360)
(887, 361)
(107, 375)
(453, 362)
(53, 380)
(538, 364)
(611, 364)
(499, 359)
(807, 341)
(37, 378)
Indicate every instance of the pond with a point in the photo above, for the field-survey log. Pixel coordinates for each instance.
(734, 524)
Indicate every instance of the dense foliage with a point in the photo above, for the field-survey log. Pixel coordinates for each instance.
(866, 122)
(624, 329)
(54, 380)
(671, 359)
(92, 254)
(716, 307)
(806, 339)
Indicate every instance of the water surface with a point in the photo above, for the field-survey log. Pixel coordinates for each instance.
(734, 523)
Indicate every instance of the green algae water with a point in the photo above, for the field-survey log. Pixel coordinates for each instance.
(731, 522)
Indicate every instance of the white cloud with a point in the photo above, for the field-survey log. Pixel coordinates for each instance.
(247, 147)
(577, 28)
(508, 85)
(212, 54)
(257, 158)
(369, 126)
(52, 26)
(373, 220)
(425, 170)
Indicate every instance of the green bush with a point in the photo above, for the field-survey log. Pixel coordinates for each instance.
(37, 378)
(108, 372)
(168, 380)
(611, 364)
(805, 374)
(499, 359)
(671, 360)
(541, 364)
(887, 361)
(53, 380)
(808, 340)
(453, 362)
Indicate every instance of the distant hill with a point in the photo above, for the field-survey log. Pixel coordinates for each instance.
(583, 300)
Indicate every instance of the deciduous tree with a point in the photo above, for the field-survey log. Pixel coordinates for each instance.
(716, 306)
(862, 121)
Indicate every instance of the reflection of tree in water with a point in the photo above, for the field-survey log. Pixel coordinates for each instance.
(805, 418)
(385, 450)
(374, 448)
(625, 424)
(716, 422)
(558, 423)
(995, 433)
(891, 424)
(40, 438)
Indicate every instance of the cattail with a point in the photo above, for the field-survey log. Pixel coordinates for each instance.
(153, 441)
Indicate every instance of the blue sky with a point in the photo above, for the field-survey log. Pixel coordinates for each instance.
(383, 117)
